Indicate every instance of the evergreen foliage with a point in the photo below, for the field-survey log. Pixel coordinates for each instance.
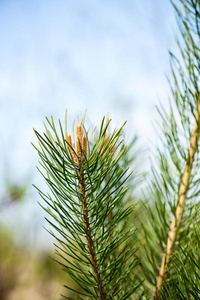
(88, 185)
(172, 200)
(91, 209)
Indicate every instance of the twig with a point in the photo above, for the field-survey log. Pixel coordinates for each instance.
(89, 238)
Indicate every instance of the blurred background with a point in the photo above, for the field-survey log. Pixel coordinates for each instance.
(99, 55)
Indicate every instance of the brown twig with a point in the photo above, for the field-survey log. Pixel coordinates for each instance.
(79, 158)
(90, 244)
(182, 197)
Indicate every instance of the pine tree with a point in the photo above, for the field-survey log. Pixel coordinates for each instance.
(103, 242)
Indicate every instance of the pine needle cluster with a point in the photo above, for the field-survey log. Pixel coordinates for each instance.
(87, 187)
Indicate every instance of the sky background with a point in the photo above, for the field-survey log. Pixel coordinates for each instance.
(100, 55)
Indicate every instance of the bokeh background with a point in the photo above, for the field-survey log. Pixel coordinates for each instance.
(103, 56)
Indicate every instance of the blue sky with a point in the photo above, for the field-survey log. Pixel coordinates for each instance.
(106, 56)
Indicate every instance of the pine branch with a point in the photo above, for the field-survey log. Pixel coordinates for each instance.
(174, 187)
(191, 59)
(182, 196)
(88, 184)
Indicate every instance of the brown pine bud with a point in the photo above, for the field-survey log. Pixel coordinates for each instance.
(79, 141)
(79, 134)
(69, 140)
(85, 145)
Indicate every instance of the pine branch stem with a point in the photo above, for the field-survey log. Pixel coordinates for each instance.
(182, 197)
(90, 244)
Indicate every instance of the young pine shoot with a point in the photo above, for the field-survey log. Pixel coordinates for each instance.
(87, 210)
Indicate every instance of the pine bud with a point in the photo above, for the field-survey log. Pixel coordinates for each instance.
(85, 145)
(79, 141)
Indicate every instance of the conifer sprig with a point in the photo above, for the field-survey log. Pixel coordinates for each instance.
(185, 90)
(184, 185)
(87, 184)
(168, 204)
